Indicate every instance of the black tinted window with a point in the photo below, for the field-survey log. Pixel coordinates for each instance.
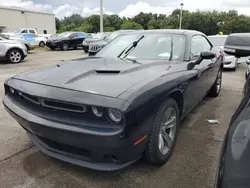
(199, 44)
(32, 31)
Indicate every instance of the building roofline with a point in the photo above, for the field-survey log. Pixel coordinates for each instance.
(24, 10)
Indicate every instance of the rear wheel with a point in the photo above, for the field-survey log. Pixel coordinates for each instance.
(41, 44)
(14, 56)
(163, 134)
(217, 85)
(65, 46)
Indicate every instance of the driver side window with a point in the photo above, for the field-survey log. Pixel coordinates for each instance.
(198, 44)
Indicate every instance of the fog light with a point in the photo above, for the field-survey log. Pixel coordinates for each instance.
(115, 115)
(97, 111)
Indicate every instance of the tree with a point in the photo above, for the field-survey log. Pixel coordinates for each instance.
(131, 25)
(208, 22)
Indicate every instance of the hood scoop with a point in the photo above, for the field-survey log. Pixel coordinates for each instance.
(107, 71)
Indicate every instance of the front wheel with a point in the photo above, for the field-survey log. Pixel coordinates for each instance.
(163, 134)
(215, 91)
(65, 46)
(41, 44)
(14, 56)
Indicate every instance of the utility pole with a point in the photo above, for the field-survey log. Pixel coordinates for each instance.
(101, 16)
(181, 16)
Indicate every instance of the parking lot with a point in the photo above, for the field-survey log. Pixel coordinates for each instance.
(193, 163)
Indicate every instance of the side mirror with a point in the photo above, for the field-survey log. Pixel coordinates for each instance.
(207, 55)
(238, 45)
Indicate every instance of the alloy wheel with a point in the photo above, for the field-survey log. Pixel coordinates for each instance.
(167, 131)
(15, 56)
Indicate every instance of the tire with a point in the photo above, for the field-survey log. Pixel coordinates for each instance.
(65, 46)
(41, 44)
(215, 91)
(153, 154)
(14, 56)
(86, 51)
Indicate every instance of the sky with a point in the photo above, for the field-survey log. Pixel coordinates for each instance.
(127, 8)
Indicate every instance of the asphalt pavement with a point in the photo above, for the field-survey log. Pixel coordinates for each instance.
(193, 163)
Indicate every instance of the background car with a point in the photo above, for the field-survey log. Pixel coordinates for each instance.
(41, 40)
(233, 166)
(66, 40)
(12, 51)
(27, 39)
(95, 38)
(21, 31)
(106, 112)
(95, 47)
(230, 62)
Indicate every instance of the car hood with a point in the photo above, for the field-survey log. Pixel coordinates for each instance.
(92, 40)
(10, 41)
(99, 43)
(57, 38)
(9, 34)
(109, 77)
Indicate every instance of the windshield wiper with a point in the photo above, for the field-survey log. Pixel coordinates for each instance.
(133, 61)
(134, 44)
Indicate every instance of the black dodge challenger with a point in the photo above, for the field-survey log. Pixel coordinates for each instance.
(106, 112)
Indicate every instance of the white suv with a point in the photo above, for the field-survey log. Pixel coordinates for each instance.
(11, 50)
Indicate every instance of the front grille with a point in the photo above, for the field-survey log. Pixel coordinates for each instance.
(66, 148)
(95, 48)
(53, 104)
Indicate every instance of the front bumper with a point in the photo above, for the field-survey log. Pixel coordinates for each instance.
(230, 63)
(75, 144)
(32, 46)
(53, 44)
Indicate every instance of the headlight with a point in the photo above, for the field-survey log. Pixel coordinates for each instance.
(84, 43)
(12, 91)
(115, 115)
(97, 111)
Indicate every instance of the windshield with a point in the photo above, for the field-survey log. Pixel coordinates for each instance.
(113, 35)
(16, 31)
(99, 35)
(65, 34)
(151, 47)
(218, 41)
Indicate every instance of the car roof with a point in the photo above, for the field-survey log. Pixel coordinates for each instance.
(169, 31)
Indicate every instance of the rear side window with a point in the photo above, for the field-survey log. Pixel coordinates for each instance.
(32, 31)
(24, 31)
(198, 44)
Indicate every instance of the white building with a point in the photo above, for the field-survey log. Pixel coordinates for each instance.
(12, 18)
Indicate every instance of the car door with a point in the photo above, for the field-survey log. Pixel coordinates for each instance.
(2, 48)
(73, 39)
(81, 38)
(200, 76)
